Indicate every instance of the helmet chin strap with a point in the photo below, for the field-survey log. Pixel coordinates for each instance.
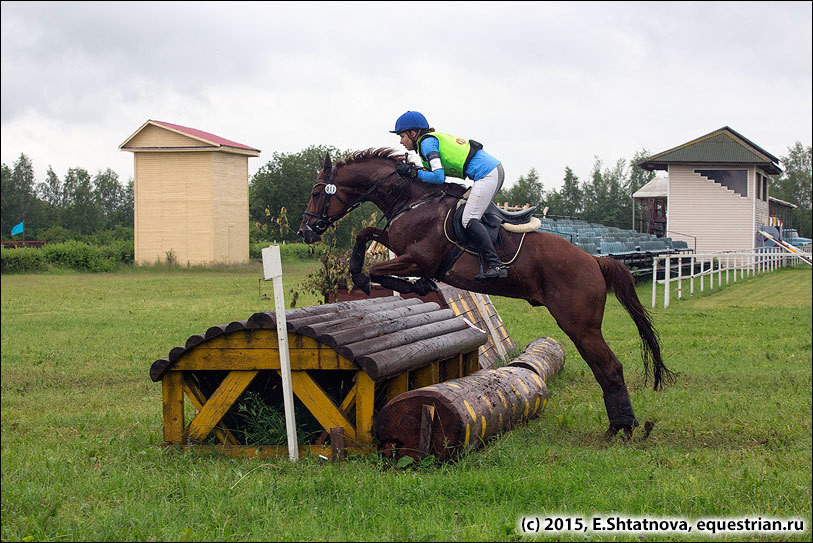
(414, 141)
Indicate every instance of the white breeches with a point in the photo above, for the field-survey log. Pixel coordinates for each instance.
(482, 193)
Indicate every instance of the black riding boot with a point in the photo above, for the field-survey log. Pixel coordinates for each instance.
(494, 267)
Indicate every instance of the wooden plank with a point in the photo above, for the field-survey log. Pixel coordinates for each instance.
(273, 451)
(365, 401)
(255, 338)
(337, 447)
(397, 385)
(172, 392)
(199, 400)
(427, 375)
(218, 404)
(471, 361)
(479, 302)
(319, 404)
(260, 359)
(349, 400)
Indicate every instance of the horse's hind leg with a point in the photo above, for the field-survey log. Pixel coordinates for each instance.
(610, 375)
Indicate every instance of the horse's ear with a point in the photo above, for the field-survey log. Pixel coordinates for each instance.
(327, 164)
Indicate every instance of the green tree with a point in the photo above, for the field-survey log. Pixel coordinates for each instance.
(286, 181)
(125, 214)
(83, 213)
(554, 202)
(604, 199)
(527, 190)
(110, 196)
(571, 196)
(794, 185)
(49, 193)
(19, 201)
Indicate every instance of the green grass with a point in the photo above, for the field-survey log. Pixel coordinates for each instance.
(81, 424)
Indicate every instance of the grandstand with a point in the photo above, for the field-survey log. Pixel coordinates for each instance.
(633, 248)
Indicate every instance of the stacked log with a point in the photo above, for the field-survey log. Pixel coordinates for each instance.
(544, 356)
(448, 418)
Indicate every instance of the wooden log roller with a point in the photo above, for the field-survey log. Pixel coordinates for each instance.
(448, 418)
(544, 356)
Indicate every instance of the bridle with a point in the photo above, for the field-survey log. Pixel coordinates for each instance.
(325, 221)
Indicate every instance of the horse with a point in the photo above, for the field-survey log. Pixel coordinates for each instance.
(548, 271)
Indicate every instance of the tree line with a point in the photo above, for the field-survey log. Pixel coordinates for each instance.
(75, 206)
(606, 197)
(80, 205)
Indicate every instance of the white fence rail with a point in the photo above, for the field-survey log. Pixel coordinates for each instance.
(724, 264)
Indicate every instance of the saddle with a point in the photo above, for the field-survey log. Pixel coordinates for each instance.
(495, 220)
(506, 229)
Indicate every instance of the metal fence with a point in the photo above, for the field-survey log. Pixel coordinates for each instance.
(703, 268)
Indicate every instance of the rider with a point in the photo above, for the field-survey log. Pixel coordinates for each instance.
(444, 154)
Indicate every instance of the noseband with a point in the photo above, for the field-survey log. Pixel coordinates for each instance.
(324, 221)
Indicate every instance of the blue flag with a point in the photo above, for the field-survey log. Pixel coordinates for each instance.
(17, 229)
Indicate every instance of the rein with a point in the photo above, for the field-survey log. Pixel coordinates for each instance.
(325, 221)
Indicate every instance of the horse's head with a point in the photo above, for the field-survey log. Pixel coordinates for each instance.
(364, 175)
(328, 203)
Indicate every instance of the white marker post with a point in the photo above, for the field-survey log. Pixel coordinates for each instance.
(272, 269)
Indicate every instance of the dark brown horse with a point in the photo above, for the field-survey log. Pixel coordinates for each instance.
(549, 270)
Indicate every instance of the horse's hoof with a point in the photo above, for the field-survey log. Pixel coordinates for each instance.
(613, 430)
(648, 425)
(424, 286)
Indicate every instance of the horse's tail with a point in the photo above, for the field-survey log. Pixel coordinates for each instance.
(619, 279)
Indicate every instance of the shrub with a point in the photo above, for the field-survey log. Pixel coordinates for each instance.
(55, 234)
(79, 256)
(288, 251)
(112, 235)
(25, 260)
(73, 255)
(122, 251)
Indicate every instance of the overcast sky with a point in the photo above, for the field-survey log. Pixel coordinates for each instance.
(542, 85)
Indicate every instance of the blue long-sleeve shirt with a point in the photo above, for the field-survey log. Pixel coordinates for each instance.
(479, 166)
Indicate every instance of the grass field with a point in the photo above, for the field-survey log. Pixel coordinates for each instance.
(81, 425)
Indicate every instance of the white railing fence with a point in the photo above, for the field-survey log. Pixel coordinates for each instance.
(702, 268)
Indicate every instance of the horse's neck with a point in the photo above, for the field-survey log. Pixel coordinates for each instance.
(395, 194)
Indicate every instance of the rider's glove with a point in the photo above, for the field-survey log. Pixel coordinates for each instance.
(406, 169)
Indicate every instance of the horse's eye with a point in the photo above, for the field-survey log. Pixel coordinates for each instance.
(314, 194)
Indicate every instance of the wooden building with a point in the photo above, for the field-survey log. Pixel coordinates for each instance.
(717, 190)
(190, 195)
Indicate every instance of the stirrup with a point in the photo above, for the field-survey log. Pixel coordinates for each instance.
(497, 272)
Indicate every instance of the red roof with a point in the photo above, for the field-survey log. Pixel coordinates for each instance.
(194, 132)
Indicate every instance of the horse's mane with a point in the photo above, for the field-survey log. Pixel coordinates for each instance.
(366, 154)
(391, 154)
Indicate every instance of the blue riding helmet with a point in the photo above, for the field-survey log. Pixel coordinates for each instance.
(410, 120)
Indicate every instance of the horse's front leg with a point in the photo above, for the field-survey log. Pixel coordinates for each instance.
(403, 266)
(360, 279)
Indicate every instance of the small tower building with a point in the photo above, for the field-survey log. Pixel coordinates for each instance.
(190, 195)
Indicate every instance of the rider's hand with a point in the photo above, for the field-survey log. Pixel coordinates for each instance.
(406, 169)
